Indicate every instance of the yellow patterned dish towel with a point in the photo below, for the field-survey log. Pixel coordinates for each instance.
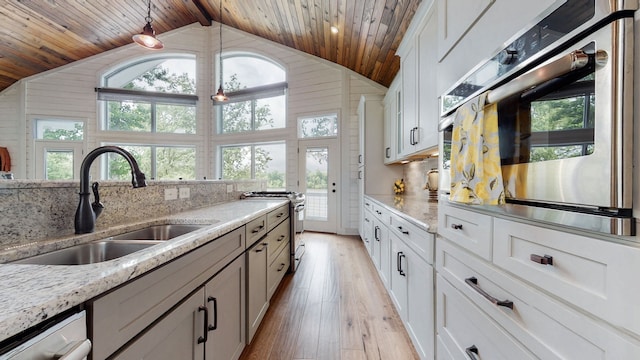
(476, 177)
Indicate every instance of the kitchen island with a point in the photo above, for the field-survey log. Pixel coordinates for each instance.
(34, 293)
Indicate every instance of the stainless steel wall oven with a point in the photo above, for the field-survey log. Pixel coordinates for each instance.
(564, 90)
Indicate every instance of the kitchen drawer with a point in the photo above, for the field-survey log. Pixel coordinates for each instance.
(277, 270)
(468, 229)
(547, 327)
(381, 213)
(256, 229)
(596, 275)
(121, 314)
(368, 204)
(276, 216)
(276, 239)
(463, 327)
(415, 237)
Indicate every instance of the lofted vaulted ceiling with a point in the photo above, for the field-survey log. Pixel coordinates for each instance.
(39, 35)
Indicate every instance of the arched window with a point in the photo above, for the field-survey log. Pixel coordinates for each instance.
(152, 95)
(153, 101)
(256, 87)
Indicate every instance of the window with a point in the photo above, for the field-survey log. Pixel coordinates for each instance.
(256, 90)
(255, 161)
(156, 162)
(154, 95)
(58, 147)
(318, 126)
(153, 101)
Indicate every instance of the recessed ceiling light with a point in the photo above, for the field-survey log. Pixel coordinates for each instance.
(334, 30)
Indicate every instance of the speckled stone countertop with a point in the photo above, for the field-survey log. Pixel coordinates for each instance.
(33, 293)
(416, 209)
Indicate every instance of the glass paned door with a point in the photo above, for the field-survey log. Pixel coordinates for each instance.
(318, 180)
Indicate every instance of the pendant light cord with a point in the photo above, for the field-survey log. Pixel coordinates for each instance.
(221, 80)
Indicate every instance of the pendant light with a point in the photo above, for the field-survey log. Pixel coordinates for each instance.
(147, 39)
(220, 96)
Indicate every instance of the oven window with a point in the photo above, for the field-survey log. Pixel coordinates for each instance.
(550, 124)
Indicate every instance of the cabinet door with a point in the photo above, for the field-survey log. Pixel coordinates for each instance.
(176, 336)
(398, 289)
(225, 299)
(378, 233)
(257, 296)
(410, 132)
(385, 257)
(427, 91)
(390, 117)
(420, 304)
(368, 231)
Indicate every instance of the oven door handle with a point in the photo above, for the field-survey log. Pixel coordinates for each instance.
(575, 60)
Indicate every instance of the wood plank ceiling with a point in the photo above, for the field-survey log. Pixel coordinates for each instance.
(39, 35)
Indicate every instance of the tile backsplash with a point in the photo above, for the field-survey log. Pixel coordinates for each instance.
(415, 177)
(36, 210)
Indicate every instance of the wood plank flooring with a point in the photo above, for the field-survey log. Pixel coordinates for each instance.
(334, 307)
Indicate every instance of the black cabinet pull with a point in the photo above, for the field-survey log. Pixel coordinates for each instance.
(203, 339)
(375, 233)
(264, 245)
(543, 260)
(456, 226)
(400, 270)
(360, 159)
(215, 313)
(281, 238)
(280, 215)
(378, 212)
(282, 265)
(256, 230)
(472, 352)
(406, 232)
(473, 282)
(387, 152)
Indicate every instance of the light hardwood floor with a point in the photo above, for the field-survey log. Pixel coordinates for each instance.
(334, 307)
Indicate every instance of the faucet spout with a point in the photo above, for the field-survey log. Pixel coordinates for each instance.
(85, 219)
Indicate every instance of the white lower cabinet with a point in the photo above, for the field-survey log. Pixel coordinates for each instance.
(209, 324)
(408, 276)
(518, 291)
(468, 333)
(412, 292)
(257, 287)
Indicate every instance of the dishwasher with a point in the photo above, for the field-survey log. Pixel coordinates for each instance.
(64, 340)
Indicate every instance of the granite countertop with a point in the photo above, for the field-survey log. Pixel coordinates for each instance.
(33, 293)
(416, 209)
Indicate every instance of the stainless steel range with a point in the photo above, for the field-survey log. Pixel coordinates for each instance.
(296, 212)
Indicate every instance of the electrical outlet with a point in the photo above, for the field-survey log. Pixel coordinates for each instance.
(170, 194)
(230, 188)
(184, 193)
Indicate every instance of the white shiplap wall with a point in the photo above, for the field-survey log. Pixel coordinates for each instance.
(315, 86)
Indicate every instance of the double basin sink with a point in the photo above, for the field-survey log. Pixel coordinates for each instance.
(112, 247)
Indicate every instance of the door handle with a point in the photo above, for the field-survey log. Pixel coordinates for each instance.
(203, 339)
(472, 352)
(473, 282)
(215, 313)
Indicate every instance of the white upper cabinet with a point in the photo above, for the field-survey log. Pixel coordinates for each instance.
(417, 127)
(391, 113)
(428, 112)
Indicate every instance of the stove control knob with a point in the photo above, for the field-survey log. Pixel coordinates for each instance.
(508, 56)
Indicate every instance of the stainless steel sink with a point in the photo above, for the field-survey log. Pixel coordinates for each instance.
(159, 232)
(93, 252)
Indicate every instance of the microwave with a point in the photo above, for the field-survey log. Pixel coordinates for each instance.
(565, 124)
